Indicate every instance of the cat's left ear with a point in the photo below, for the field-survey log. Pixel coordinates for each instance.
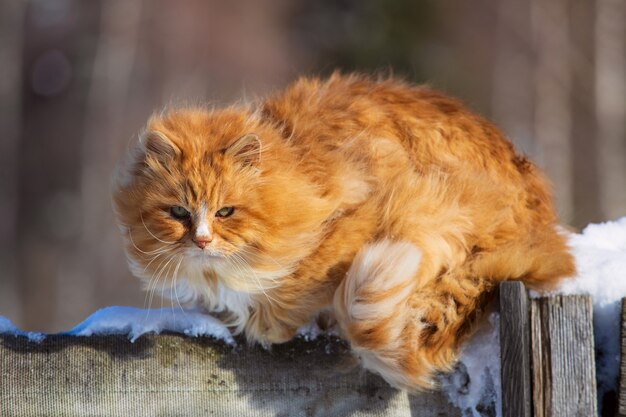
(246, 150)
(159, 146)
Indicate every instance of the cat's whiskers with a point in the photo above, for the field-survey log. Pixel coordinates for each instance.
(234, 263)
(259, 255)
(152, 234)
(157, 250)
(158, 278)
(147, 290)
(155, 258)
(150, 282)
(240, 261)
(174, 283)
(155, 279)
(169, 269)
(269, 299)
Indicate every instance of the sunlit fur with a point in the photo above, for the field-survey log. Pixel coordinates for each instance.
(388, 204)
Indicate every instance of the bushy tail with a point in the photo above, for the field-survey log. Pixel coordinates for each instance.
(373, 309)
(401, 326)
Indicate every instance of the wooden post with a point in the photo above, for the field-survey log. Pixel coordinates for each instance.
(515, 350)
(622, 368)
(173, 375)
(564, 380)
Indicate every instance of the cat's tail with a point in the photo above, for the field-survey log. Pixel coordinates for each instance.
(373, 309)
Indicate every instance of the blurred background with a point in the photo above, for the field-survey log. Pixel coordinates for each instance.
(78, 79)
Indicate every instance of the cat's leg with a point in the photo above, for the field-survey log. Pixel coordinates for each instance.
(540, 258)
(276, 316)
(269, 324)
(403, 326)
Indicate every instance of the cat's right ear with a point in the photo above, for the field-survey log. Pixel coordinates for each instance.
(158, 145)
(246, 150)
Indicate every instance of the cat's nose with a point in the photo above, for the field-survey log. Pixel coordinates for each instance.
(201, 241)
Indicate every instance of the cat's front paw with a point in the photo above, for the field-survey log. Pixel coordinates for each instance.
(268, 331)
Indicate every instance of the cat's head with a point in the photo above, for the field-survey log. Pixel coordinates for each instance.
(216, 192)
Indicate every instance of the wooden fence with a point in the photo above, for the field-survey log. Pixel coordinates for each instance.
(548, 357)
(547, 370)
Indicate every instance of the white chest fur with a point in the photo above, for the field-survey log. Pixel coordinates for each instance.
(193, 290)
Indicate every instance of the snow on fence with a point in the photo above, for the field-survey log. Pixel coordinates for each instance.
(547, 351)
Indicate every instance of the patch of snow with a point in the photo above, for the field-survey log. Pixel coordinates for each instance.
(135, 322)
(7, 327)
(474, 386)
(600, 252)
(310, 331)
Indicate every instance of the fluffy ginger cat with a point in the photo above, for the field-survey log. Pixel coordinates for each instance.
(387, 206)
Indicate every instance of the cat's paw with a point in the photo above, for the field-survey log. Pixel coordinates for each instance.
(267, 330)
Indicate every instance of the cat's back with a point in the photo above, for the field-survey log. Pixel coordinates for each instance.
(435, 129)
(437, 133)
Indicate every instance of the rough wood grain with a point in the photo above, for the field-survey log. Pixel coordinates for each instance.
(172, 375)
(622, 373)
(515, 350)
(539, 390)
(563, 357)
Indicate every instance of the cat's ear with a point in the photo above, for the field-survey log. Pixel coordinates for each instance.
(159, 146)
(246, 150)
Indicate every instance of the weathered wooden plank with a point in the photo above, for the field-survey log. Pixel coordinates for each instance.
(622, 373)
(173, 375)
(539, 390)
(564, 383)
(515, 350)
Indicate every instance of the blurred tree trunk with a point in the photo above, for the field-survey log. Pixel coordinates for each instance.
(552, 79)
(106, 101)
(56, 40)
(585, 149)
(11, 43)
(512, 97)
(610, 96)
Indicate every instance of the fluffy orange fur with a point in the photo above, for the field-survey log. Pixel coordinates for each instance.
(388, 205)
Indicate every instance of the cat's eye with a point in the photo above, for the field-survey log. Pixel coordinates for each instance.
(225, 212)
(179, 212)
